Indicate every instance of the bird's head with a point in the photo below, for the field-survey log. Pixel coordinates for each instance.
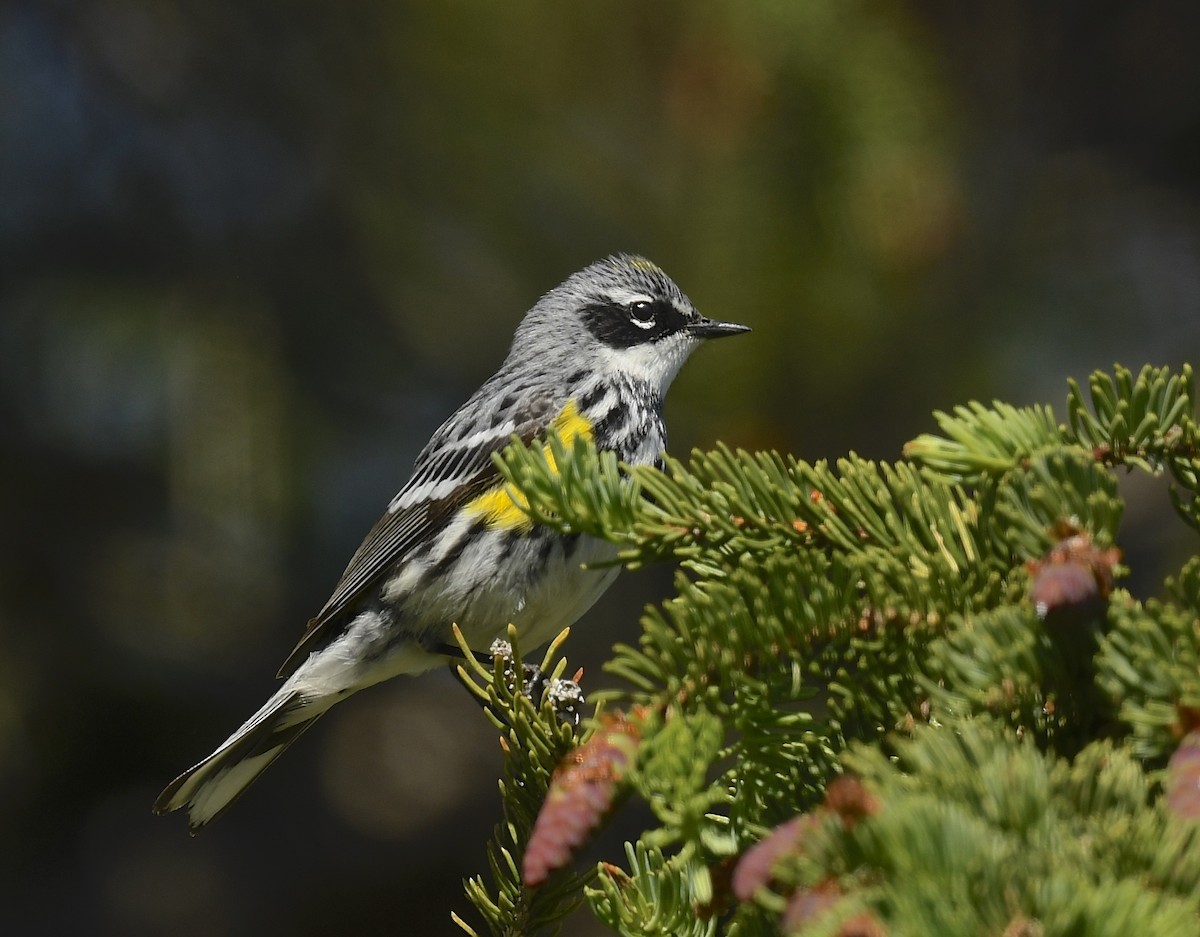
(623, 315)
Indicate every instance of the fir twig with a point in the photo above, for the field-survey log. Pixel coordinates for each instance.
(950, 625)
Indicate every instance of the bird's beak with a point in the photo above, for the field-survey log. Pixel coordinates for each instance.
(711, 328)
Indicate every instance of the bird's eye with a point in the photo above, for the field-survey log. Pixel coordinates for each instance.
(642, 314)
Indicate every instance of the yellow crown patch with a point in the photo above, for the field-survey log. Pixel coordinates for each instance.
(646, 266)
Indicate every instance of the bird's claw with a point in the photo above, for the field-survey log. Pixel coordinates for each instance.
(564, 696)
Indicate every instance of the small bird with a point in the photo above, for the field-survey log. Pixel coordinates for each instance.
(592, 358)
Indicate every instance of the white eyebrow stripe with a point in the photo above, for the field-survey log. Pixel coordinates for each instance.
(628, 297)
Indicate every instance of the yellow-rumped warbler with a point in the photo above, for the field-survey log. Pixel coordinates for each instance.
(592, 358)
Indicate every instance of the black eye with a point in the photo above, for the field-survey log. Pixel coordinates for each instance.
(642, 314)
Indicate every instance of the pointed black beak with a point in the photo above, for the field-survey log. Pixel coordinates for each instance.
(711, 328)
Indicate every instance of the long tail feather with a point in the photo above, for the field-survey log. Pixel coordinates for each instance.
(209, 788)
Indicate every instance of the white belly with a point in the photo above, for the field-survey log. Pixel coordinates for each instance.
(381, 644)
(541, 589)
(568, 592)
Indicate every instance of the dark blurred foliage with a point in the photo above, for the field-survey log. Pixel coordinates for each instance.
(252, 254)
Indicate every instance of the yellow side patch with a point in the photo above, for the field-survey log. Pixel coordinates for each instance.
(570, 424)
(505, 510)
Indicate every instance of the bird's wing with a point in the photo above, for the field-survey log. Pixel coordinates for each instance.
(453, 468)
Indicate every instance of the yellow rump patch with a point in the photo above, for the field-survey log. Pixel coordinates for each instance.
(505, 510)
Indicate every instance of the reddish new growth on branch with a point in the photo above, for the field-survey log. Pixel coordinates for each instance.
(846, 798)
(849, 798)
(1074, 574)
(581, 793)
(754, 869)
(808, 905)
(1183, 778)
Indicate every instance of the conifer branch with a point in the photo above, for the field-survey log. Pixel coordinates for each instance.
(959, 610)
(534, 739)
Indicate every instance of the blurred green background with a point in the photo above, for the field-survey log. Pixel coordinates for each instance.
(252, 254)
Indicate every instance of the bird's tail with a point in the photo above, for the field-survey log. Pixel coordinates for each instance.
(208, 789)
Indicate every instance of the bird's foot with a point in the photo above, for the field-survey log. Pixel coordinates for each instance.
(565, 696)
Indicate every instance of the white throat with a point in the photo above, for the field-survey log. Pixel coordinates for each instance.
(655, 364)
